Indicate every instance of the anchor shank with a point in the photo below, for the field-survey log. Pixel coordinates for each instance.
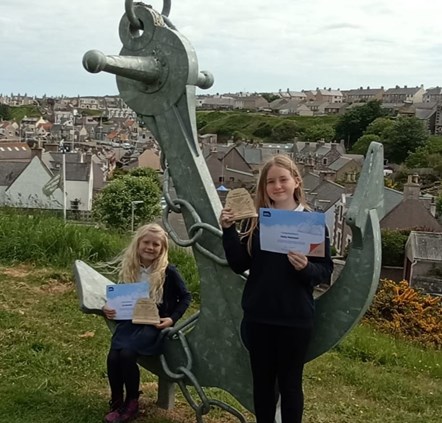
(146, 69)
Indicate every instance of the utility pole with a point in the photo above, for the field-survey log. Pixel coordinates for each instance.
(63, 177)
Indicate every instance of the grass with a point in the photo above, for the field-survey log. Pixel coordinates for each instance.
(52, 366)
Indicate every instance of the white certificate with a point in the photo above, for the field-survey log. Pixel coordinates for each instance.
(282, 231)
(123, 297)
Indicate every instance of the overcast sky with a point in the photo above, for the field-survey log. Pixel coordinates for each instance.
(249, 45)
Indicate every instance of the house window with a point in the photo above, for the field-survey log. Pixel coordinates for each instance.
(232, 179)
(221, 179)
(324, 161)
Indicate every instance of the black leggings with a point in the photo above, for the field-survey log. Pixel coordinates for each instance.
(123, 371)
(277, 356)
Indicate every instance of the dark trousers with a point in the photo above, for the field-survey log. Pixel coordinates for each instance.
(277, 356)
(123, 372)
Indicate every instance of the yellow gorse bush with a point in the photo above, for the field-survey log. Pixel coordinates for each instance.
(403, 311)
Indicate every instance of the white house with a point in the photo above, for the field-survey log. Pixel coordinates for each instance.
(35, 187)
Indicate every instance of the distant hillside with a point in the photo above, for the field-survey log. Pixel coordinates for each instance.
(258, 126)
(19, 112)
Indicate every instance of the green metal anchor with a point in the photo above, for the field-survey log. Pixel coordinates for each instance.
(157, 72)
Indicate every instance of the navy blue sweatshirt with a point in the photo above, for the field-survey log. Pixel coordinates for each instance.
(176, 297)
(275, 292)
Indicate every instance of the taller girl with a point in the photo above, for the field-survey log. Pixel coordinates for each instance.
(277, 299)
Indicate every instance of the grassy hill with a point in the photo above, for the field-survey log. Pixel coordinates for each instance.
(257, 126)
(19, 112)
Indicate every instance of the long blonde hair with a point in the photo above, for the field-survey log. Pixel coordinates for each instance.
(262, 200)
(129, 263)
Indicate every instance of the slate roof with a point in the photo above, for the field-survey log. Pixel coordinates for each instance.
(434, 91)
(364, 91)
(311, 181)
(410, 214)
(339, 163)
(402, 91)
(358, 158)
(424, 113)
(15, 151)
(391, 199)
(75, 171)
(78, 171)
(328, 193)
(9, 171)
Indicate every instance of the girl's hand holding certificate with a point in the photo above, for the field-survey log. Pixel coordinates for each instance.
(299, 261)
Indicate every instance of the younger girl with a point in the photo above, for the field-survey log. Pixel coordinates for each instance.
(145, 259)
(278, 296)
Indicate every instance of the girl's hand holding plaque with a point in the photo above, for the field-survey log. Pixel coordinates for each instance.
(241, 204)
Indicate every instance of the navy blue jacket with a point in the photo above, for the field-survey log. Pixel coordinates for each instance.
(275, 292)
(176, 297)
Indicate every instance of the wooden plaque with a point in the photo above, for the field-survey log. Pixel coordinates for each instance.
(241, 204)
(146, 312)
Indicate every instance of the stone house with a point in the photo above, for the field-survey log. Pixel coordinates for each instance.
(335, 108)
(345, 169)
(329, 95)
(433, 95)
(230, 169)
(294, 107)
(294, 95)
(401, 95)
(252, 102)
(363, 95)
(9, 131)
(423, 261)
(412, 212)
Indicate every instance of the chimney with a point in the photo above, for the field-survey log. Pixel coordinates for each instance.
(36, 152)
(412, 188)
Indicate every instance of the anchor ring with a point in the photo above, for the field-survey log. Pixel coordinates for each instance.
(134, 21)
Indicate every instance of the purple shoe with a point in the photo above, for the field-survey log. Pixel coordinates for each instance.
(130, 412)
(116, 410)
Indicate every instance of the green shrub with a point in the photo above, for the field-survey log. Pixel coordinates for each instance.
(400, 310)
(186, 264)
(393, 246)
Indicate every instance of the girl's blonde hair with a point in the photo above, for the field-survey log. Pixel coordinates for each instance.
(129, 261)
(262, 200)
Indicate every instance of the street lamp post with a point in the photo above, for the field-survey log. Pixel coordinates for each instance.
(133, 203)
(63, 177)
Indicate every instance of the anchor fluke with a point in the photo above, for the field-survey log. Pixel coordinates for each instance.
(146, 69)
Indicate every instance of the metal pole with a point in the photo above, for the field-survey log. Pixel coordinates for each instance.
(64, 185)
(133, 212)
(133, 203)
